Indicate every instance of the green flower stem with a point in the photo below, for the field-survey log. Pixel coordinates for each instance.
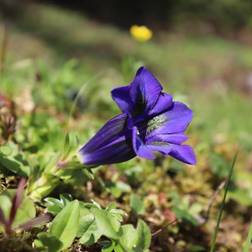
(43, 186)
(48, 181)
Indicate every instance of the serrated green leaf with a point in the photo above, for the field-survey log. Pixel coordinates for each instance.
(129, 237)
(106, 223)
(116, 218)
(54, 206)
(14, 165)
(86, 219)
(66, 198)
(91, 235)
(143, 237)
(95, 222)
(65, 224)
(108, 246)
(136, 203)
(118, 248)
(46, 240)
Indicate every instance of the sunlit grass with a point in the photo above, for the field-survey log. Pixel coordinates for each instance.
(226, 188)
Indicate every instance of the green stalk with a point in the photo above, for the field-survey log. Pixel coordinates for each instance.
(43, 186)
(227, 184)
(248, 240)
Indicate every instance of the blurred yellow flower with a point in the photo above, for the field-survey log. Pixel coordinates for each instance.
(140, 33)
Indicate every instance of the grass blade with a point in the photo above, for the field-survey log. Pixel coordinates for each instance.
(214, 237)
(80, 92)
(248, 240)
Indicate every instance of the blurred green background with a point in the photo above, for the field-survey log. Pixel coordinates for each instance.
(200, 50)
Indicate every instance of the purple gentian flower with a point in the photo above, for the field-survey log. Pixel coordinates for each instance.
(150, 122)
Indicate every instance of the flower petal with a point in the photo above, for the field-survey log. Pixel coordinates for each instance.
(175, 120)
(183, 153)
(140, 149)
(113, 129)
(117, 152)
(161, 147)
(144, 90)
(122, 98)
(163, 103)
(168, 138)
(111, 144)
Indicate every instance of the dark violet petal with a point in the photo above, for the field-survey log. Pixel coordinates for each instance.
(111, 144)
(122, 98)
(144, 90)
(163, 103)
(117, 152)
(112, 130)
(140, 149)
(183, 153)
(168, 138)
(175, 120)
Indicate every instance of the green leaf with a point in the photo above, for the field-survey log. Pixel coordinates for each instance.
(5, 204)
(183, 210)
(54, 206)
(14, 164)
(118, 248)
(196, 248)
(118, 188)
(66, 198)
(106, 223)
(129, 237)
(185, 215)
(136, 203)
(43, 186)
(25, 212)
(52, 243)
(91, 235)
(86, 219)
(65, 224)
(5, 201)
(109, 247)
(88, 230)
(242, 196)
(143, 237)
(95, 222)
(247, 244)
(115, 216)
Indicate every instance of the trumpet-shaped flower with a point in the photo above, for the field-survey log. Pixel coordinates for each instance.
(150, 122)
